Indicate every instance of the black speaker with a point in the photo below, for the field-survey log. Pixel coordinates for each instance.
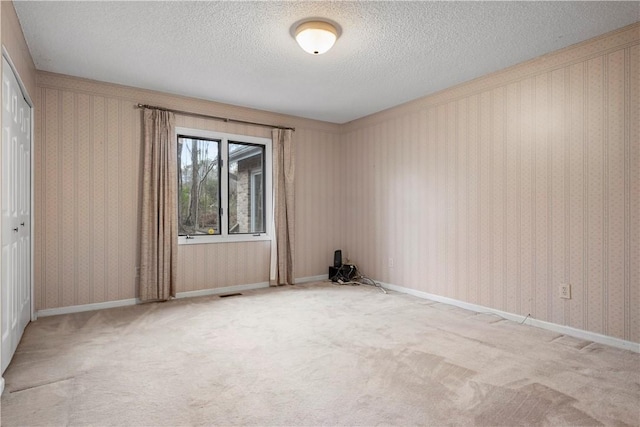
(337, 258)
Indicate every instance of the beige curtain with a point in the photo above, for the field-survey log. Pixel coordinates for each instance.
(282, 244)
(159, 239)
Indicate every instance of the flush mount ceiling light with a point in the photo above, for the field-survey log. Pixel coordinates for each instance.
(316, 37)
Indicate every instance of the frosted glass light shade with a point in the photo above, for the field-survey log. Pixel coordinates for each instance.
(316, 37)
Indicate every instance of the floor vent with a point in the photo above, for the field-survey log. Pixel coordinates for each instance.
(237, 294)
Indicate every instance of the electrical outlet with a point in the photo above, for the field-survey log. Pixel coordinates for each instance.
(565, 291)
(391, 264)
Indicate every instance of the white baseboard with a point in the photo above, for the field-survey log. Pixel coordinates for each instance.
(133, 301)
(225, 290)
(86, 307)
(562, 329)
(319, 278)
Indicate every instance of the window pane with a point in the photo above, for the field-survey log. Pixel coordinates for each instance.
(198, 186)
(246, 189)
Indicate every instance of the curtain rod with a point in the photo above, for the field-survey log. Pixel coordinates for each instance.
(206, 116)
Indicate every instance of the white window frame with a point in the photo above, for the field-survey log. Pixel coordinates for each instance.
(224, 236)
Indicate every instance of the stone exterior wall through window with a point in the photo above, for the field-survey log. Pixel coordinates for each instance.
(245, 168)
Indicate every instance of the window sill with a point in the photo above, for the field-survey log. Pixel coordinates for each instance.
(204, 239)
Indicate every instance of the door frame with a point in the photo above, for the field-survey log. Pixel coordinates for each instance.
(23, 88)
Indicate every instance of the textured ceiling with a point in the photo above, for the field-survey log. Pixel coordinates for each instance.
(242, 53)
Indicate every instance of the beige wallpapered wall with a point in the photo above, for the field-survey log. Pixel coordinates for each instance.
(87, 189)
(496, 191)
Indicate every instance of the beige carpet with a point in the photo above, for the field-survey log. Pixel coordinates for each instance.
(318, 354)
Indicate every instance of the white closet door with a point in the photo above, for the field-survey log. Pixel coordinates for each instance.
(16, 213)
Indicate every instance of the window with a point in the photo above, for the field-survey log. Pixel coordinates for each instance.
(198, 186)
(246, 199)
(224, 187)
